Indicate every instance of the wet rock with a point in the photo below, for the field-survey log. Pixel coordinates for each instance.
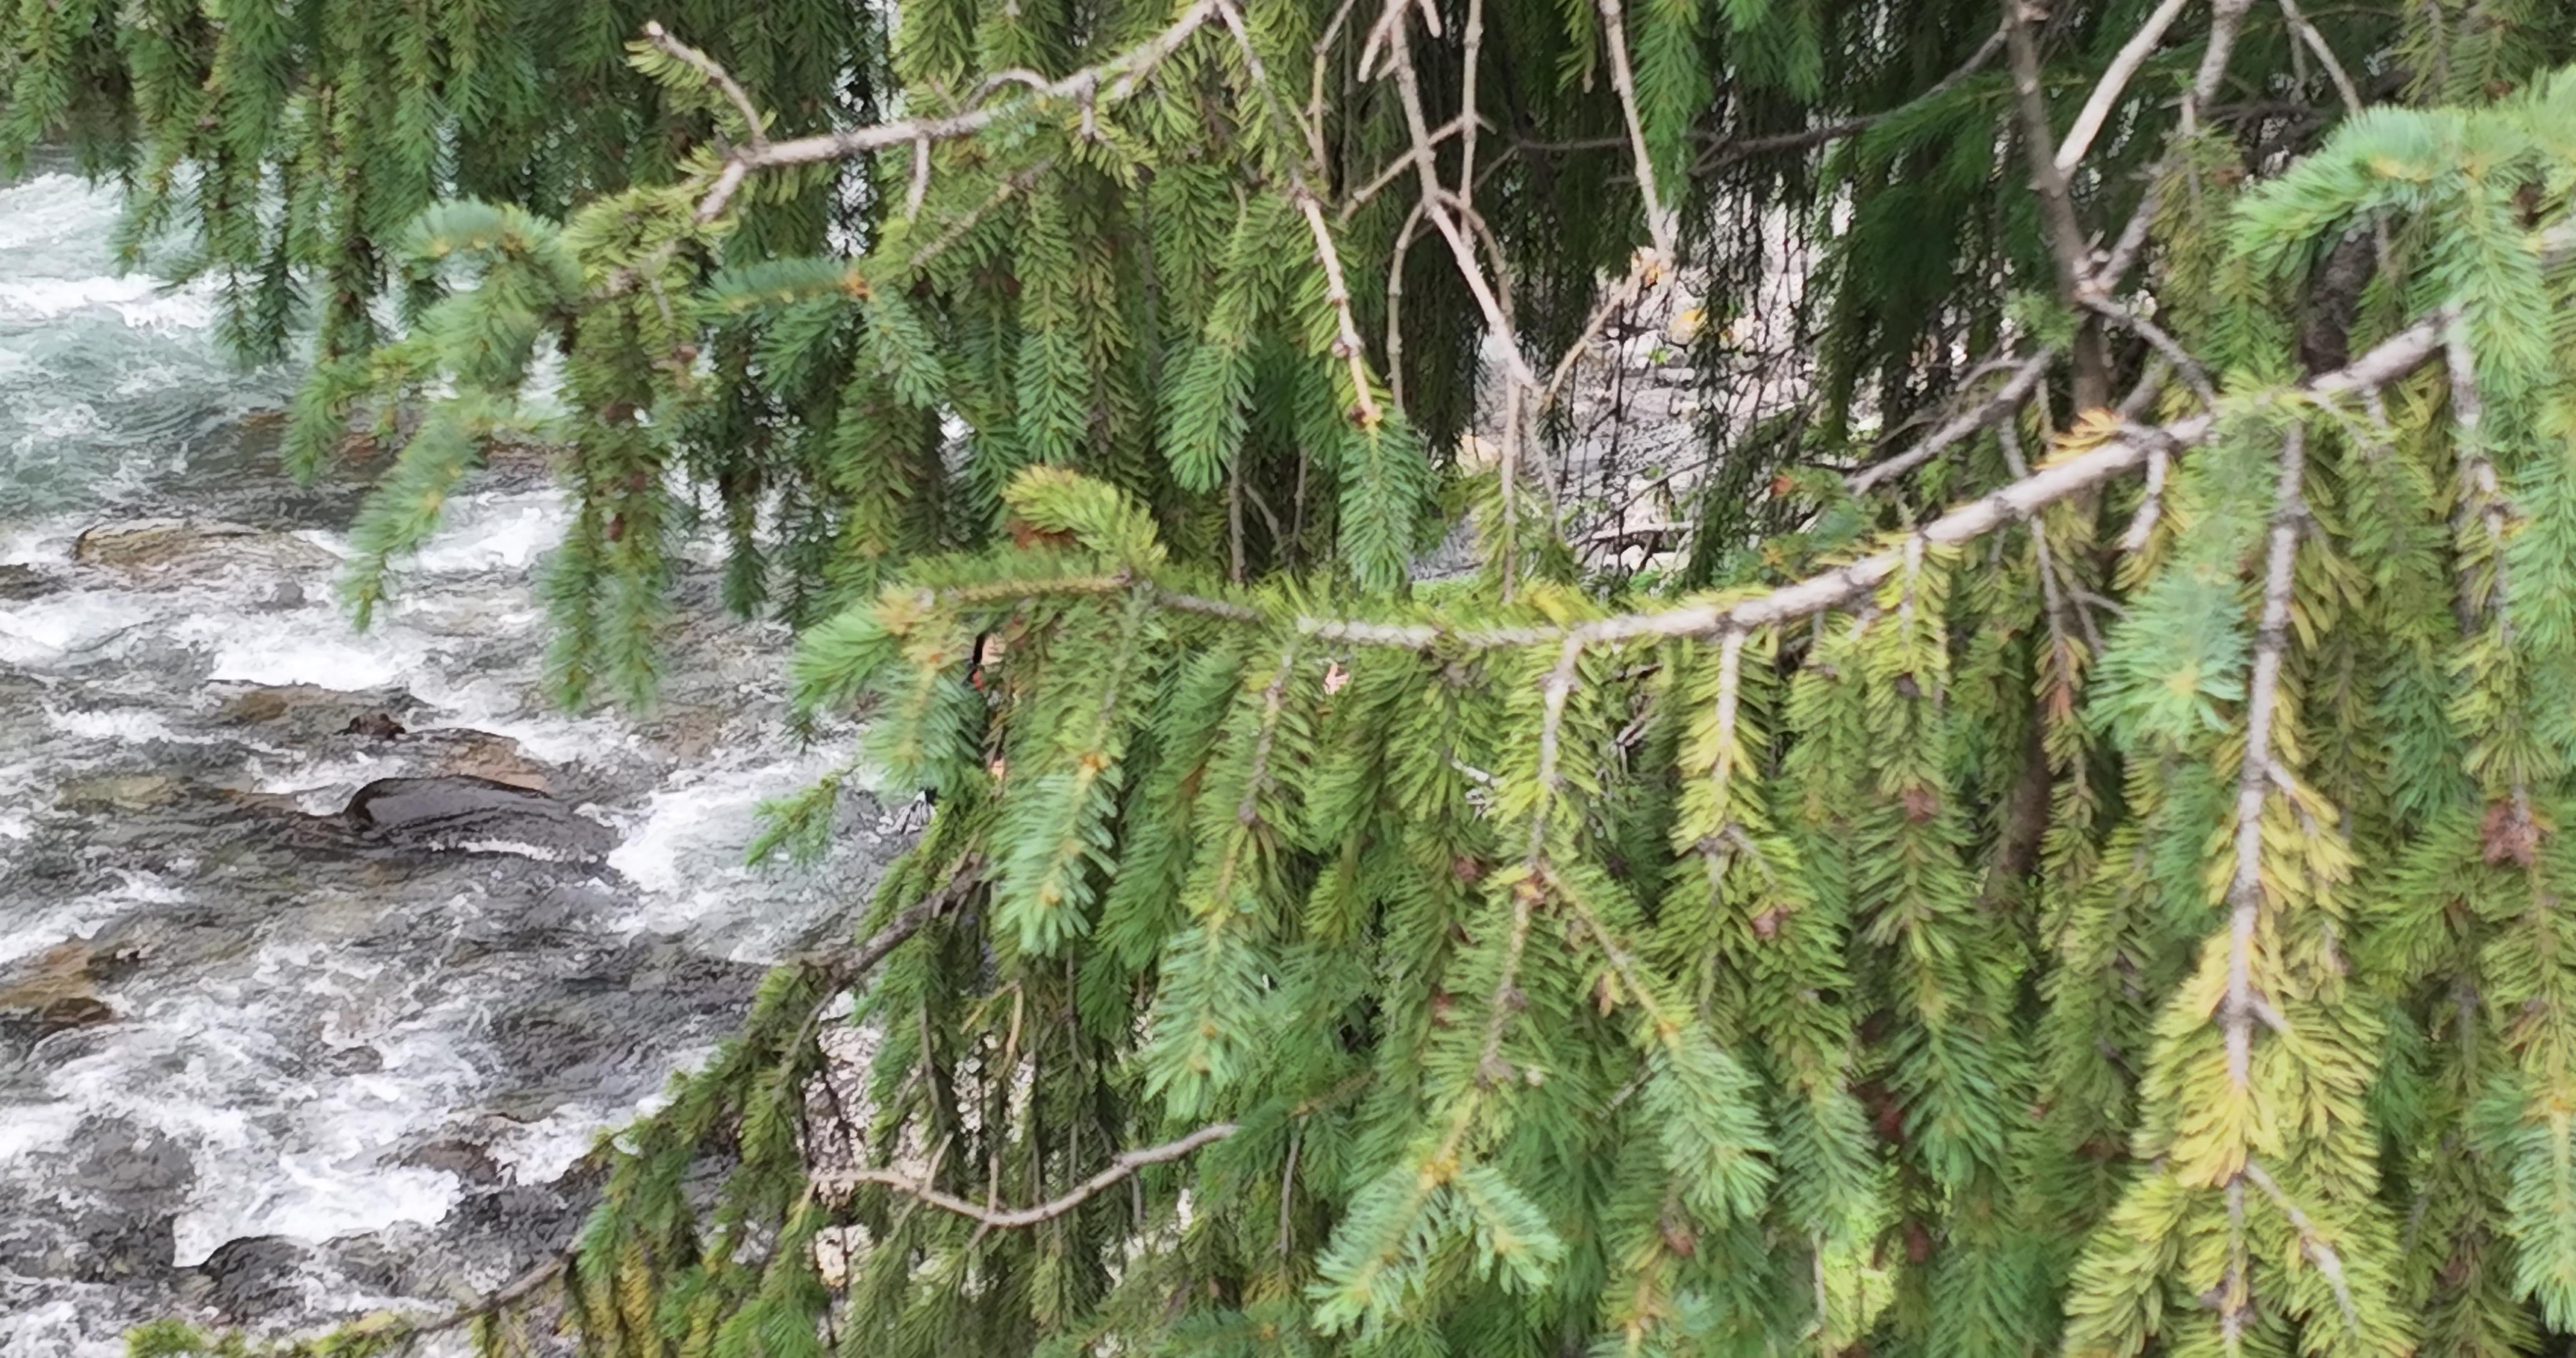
(286, 598)
(76, 1011)
(25, 582)
(55, 990)
(455, 811)
(469, 753)
(252, 1276)
(354, 1061)
(161, 548)
(114, 1194)
(373, 725)
(309, 712)
(119, 792)
(469, 1162)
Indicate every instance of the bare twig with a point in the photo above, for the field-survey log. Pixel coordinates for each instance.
(2062, 230)
(707, 66)
(1118, 1169)
(2316, 41)
(1434, 193)
(1114, 77)
(2115, 79)
(2194, 375)
(1661, 225)
(1728, 152)
(2007, 398)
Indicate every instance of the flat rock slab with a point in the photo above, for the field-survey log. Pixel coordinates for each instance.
(155, 548)
(456, 811)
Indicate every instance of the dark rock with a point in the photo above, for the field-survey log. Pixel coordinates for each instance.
(117, 1191)
(373, 725)
(25, 582)
(353, 1061)
(124, 1159)
(456, 810)
(468, 1162)
(252, 1276)
(77, 1011)
(286, 598)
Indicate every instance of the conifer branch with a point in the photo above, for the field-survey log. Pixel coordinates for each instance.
(2312, 1242)
(1337, 289)
(991, 1218)
(1721, 154)
(1114, 77)
(2255, 779)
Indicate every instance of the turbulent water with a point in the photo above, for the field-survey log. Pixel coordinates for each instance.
(255, 1066)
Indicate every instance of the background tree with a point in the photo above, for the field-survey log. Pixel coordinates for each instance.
(2111, 914)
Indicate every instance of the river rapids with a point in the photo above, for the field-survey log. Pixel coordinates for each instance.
(258, 1068)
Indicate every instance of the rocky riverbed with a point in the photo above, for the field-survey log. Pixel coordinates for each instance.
(324, 956)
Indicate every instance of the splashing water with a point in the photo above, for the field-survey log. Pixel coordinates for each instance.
(253, 1069)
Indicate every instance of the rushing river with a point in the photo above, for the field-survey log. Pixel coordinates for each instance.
(252, 1069)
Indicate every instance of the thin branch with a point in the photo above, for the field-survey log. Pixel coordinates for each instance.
(1127, 1163)
(843, 969)
(1660, 223)
(1337, 289)
(2316, 41)
(2254, 780)
(2007, 398)
(2062, 230)
(1116, 77)
(707, 66)
(1728, 152)
(2194, 374)
(2393, 358)
(2115, 79)
(1467, 119)
(2312, 1242)
(1409, 91)
(2226, 21)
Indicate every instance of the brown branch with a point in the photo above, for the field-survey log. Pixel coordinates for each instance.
(2316, 41)
(839, 970)
(2193, 373)
(1434, 194)
(2393, 358)
(1126, 1163)
(2064, 233)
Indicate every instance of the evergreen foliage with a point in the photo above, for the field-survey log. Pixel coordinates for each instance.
(2112, 914)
